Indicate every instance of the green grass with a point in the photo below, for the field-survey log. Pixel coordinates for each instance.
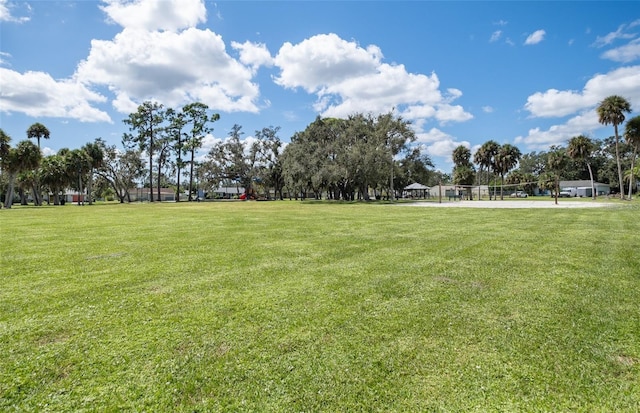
(287, 306)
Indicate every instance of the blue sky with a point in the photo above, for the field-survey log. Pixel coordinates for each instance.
(525, 73)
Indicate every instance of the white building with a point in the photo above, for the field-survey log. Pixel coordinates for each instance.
(583, 187)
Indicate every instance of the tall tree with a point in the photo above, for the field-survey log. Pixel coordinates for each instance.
(95, 152)
(396, 134)
(5, 149)
(632, 136)
(53, 175)
(174, 133)
(463, 171)
(196, 115)
(227, 162)
(416, 167)
(580, 147)
(270, 165)
(611, 112)
(505, 160)
(556, 161)
(5, 155)
(121, 170)
(146, 122)
(26, 156)
(485, 157)
(78, 166)
(38, 131)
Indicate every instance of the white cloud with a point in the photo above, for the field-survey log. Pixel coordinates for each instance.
(324, 59)
(7, 16)
(3, 55)
(138, 65)
(253, 55)
(433, 135)
(624, 54)
(538, 139)
(155, 15)
(37, 94)
(554, 103)
(348, 78)
(495, 36)
(535, 37)
(437, 143)
(624, 81)
(487, 109)
(620, 33)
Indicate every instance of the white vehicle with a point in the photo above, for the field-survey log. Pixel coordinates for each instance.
(567, 193)
(518, 194)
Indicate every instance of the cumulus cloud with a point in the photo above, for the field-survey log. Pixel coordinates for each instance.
(437, 143)
(158, 55)
(535, 37)
(323, 60)
(253, 55)
(155, 15)
(495, 36)
(37, 94)
(171, 67)
(624, 81)
(347, 78)
(539, 139)
(582, 105)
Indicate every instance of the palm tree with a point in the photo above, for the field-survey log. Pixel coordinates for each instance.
(78, 163)
(5, 150)
(96, 156)
(4, 144)
(505, 160)
(556, 161)
(581, 147)
(24, 157)
(485, 157)
(463, 171)
(38, 131)
(611, 112)
(632, 136)
(53, 175)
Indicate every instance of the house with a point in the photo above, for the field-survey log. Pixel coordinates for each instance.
(583, 187)
(448, 191)
(142, 194)
(227, 192)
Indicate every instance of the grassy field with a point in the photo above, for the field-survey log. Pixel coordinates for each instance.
(288, 306)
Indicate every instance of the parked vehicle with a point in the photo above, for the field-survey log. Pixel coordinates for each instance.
(518, 194)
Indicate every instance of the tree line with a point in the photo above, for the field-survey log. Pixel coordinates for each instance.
(609, 161)
(346, 159)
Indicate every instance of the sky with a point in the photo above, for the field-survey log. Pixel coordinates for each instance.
(526, 73)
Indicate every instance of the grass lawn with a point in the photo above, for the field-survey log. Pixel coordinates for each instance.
(289, 306)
